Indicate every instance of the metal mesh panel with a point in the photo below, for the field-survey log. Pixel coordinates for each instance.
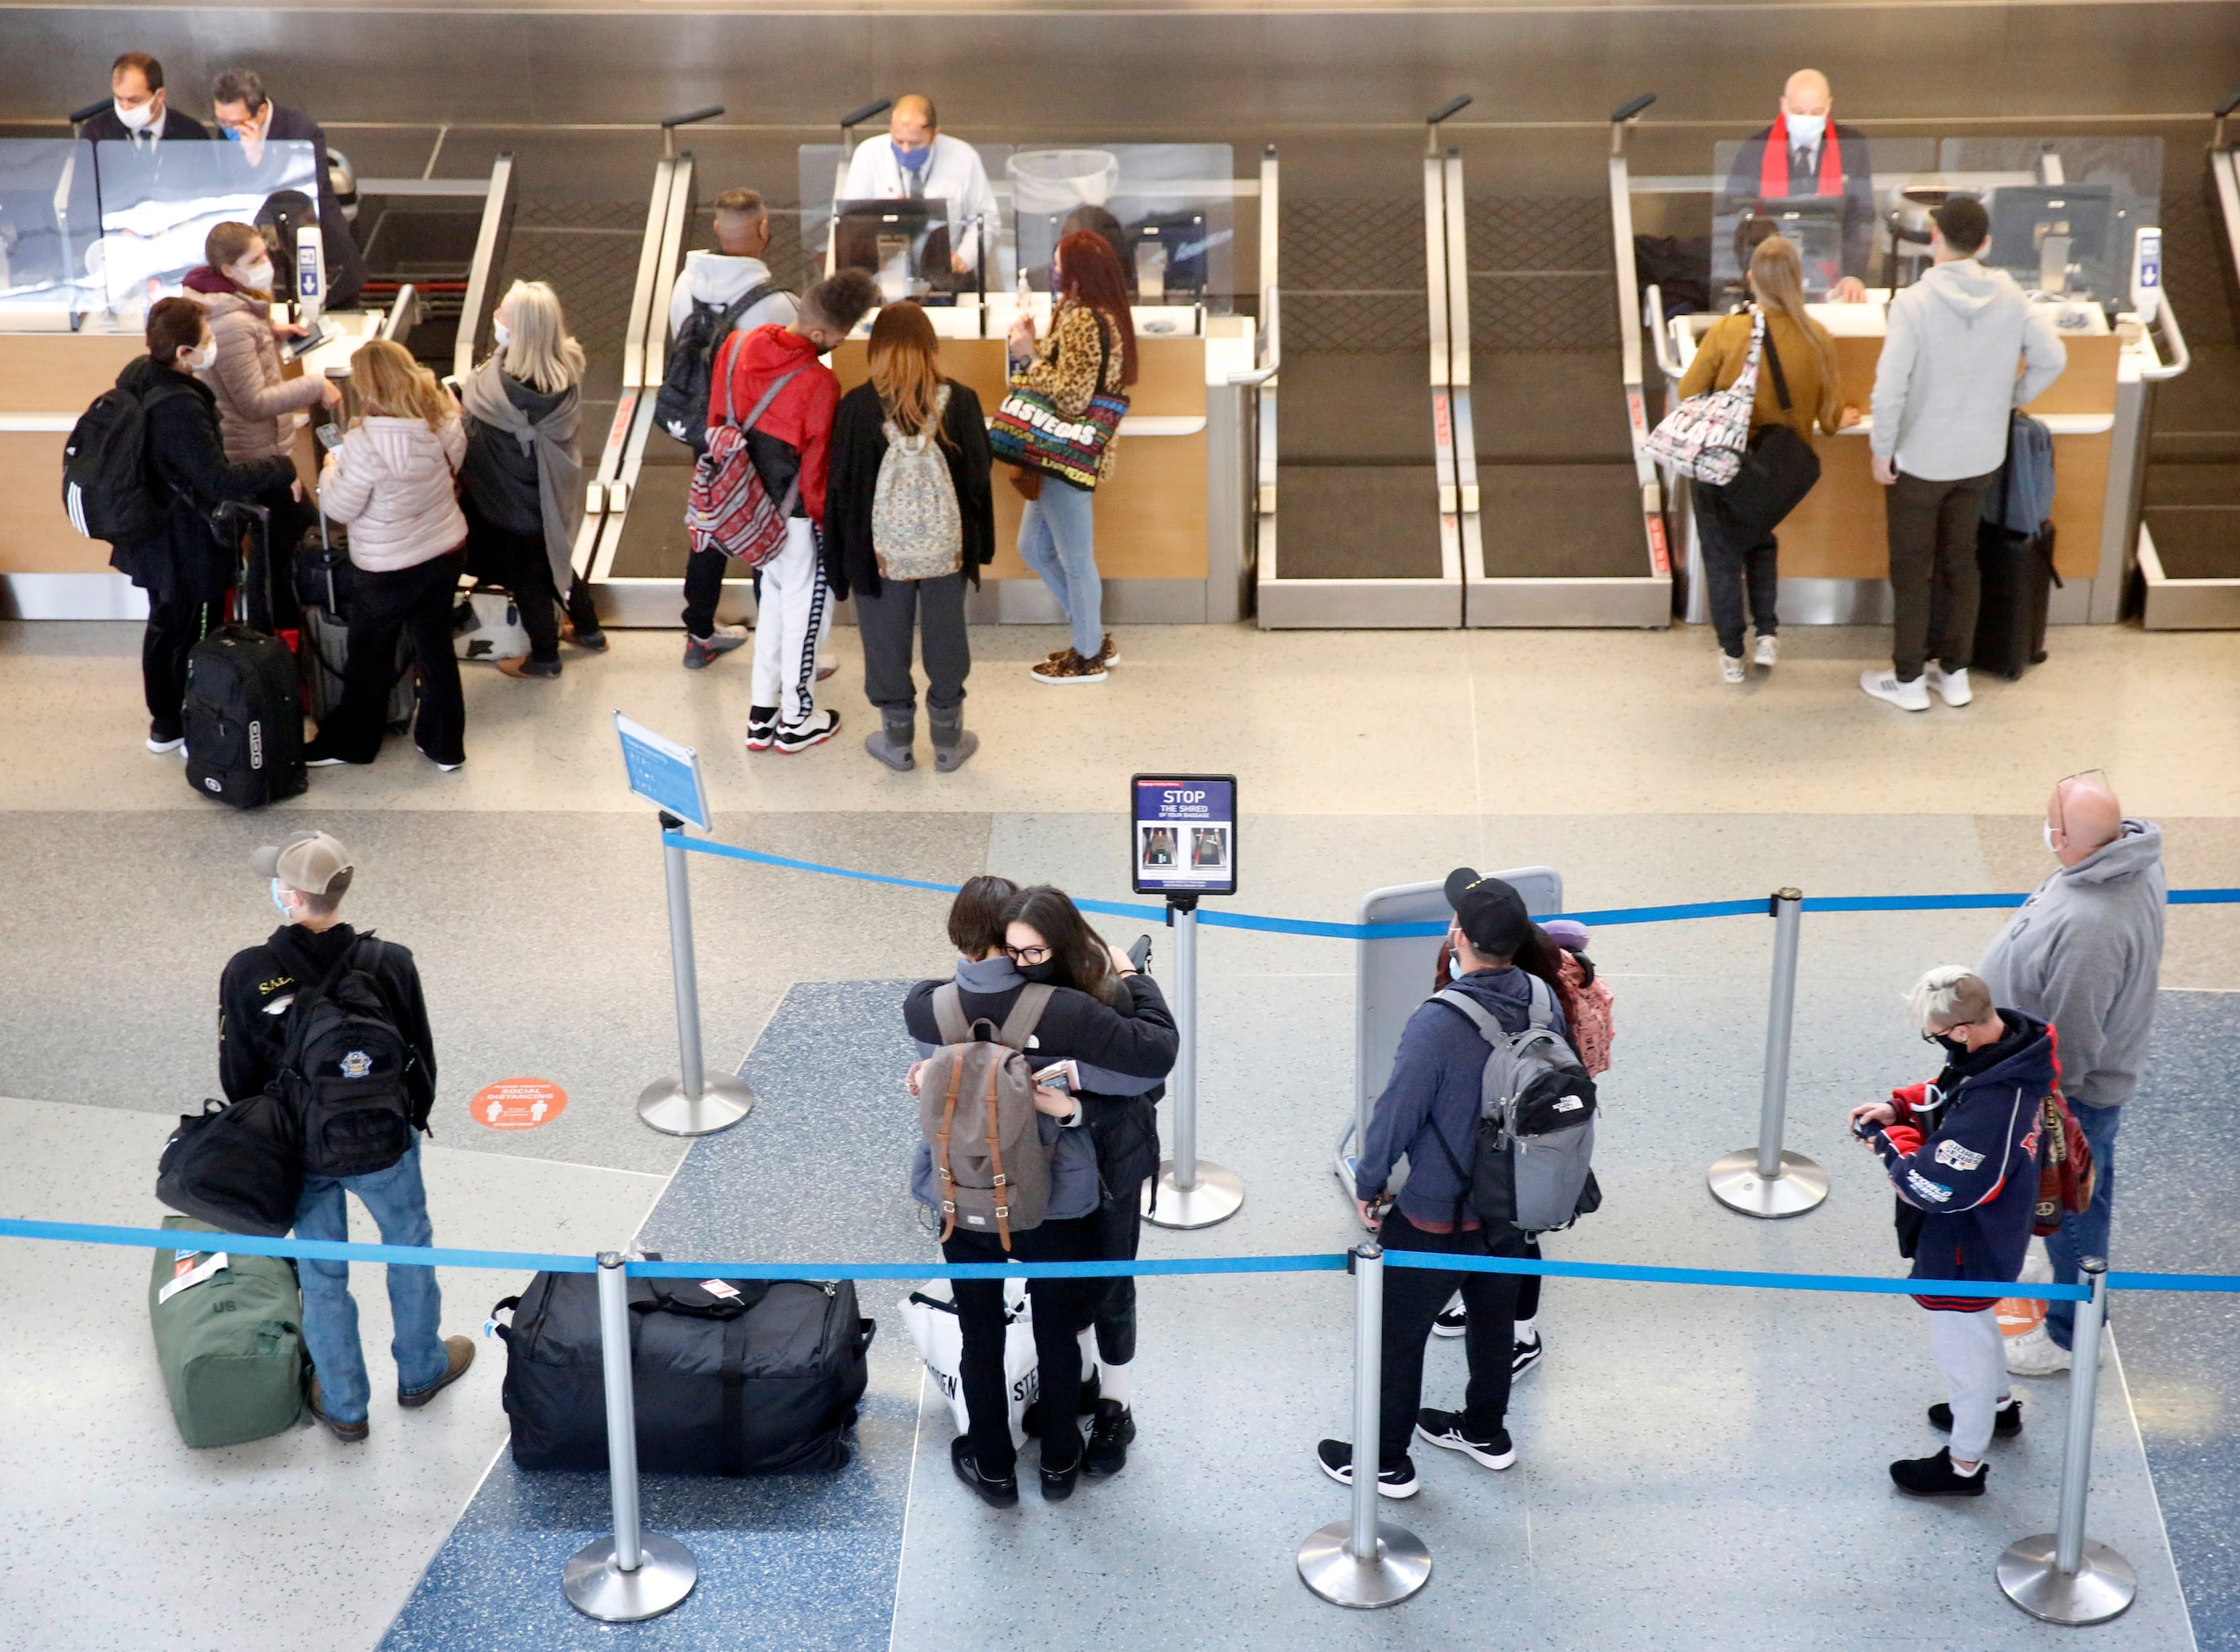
(587, 251)
(1524, 315)
(1353, 276)
(788, 263)
(1542, 276)
(2194, 260)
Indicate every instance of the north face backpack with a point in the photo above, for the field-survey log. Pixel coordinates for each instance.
(975, 1105)
(104, 471)
(680, 407)
(1533, 1169)
(345, 1070)
(726, 508)
(917, 531)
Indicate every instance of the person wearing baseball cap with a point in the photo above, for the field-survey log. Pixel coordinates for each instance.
(1429, 1112)
(307, 875)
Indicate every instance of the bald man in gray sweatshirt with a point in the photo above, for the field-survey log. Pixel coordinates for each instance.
(2085, 952)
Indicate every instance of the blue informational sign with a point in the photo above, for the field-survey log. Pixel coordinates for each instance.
(1182, 835)
(664, 773)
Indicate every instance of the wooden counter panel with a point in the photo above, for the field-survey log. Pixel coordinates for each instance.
(1172, 382)
(61, 372)
(2087, 385)
(35, 536)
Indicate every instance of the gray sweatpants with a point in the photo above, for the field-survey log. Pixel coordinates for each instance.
(886, 621)
(1973, 1354)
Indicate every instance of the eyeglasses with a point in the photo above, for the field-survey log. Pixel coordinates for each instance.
(1027, 954)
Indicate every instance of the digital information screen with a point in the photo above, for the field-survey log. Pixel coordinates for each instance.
(1183, 834)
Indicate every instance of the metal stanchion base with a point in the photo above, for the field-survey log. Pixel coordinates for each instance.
(2103, 1587)
(1736, 1184)
(1216, 1196)
(595, 1588)
(1328, 1567)
(722, 1103)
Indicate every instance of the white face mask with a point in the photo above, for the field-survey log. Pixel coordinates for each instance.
(503, 333)
(2047, 828)
(205, 358)
(256, 277)
(137, 120)
(1805, 131)
(279, 903)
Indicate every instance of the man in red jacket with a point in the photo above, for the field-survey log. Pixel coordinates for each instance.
(790, 444)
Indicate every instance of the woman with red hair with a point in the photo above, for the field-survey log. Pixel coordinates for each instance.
(1090, 351)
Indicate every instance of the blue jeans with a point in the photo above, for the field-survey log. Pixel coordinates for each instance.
(1057, 539)
(397, 1203)
(2085, 1235)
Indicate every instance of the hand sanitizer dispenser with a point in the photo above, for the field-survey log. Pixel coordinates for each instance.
(2146, 274)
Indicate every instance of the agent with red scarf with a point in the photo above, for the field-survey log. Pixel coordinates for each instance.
(1806, 153)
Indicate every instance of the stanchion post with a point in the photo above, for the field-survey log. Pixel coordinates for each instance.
(1362, 1561)
(691, 1103)
(2062, 1576)
(1188, 1192)
(1768, 1181)
(634, 1574)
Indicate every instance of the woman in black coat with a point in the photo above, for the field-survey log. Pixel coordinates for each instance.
(190, 563)
(942, 541)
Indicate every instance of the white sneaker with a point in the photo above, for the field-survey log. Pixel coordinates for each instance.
(2037, 1355)
(1769, 653)
(1730, 668)
(1884, 685)
(1953, 685)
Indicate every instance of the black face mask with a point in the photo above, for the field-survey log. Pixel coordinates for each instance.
(1953, 1047)
(1044, 974)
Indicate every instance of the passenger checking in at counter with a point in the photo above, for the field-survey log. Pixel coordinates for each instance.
(1805, 153)
(916, 162)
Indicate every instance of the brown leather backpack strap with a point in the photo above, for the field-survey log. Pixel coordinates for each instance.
(948, 1014)
(941, 1156)
(995, 1158)
(1025, 1014)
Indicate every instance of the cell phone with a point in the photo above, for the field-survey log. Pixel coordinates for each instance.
(1139, 954)
(295, 349)
(1060, 1075)
(330, 437)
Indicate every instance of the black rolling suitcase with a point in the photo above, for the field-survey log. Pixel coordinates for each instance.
(325, 587)
(2016, 577)
(243, 713)
(731, 1376)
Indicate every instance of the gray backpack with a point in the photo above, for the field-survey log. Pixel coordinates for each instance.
(1533, 1169)
(917, 531)
(975, 1105)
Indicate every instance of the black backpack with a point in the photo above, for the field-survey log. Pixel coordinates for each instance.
(681, 407)
(346, 1071)
(105, 468)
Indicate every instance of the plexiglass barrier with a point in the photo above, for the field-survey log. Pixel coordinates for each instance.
(100, 231)
(1168, 210)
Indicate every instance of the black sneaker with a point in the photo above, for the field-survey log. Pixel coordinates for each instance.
(1453, 1320)
(1524, 1355)
(813, 730)
(1109, 1437)
(996, 1493)
(1059, 1483)
(1398, 1480)
(1030, 1420)
(1444, 1429)
(1935, 1477)
(2006, 1422)
(762, 728)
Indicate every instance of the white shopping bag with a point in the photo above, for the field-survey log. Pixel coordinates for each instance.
(930, 1316)
(486, 625)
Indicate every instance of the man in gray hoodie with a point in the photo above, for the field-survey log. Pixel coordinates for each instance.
(1944, 391)
(2085, 952)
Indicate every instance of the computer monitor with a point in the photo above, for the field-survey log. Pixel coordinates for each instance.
(1168, 253)
(904, 244)
(2042, 232)
(1814, 222)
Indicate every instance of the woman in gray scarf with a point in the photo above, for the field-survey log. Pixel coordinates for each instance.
(523, 482)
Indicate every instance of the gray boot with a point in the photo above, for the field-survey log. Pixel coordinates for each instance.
(952, 743)
(890, 742)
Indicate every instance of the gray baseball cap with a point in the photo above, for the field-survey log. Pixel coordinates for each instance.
(308, 861)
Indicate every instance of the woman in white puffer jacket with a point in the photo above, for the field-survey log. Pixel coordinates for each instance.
(395, 481)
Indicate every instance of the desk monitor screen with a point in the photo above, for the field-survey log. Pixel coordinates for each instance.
(2040, 233)
(905, 244)
(1814, 223)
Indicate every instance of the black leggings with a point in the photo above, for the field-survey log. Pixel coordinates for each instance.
(1057, 1317)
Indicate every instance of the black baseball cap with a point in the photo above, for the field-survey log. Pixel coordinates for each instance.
(1491, 913)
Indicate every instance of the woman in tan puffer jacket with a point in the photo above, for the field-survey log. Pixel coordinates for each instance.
(394, 481)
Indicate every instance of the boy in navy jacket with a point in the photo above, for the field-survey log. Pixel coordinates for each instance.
(1962, 1154)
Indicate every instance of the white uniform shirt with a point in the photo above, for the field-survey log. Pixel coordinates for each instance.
(954, 174)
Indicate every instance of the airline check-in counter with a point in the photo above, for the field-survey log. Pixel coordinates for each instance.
(2067, 221)
(92, 234)
(1176, 525)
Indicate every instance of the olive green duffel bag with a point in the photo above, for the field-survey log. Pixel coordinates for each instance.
(229, 1339)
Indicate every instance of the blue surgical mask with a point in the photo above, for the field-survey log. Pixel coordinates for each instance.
(914, 159)
(280, 903)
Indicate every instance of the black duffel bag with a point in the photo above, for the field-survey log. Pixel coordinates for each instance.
(730, 1375)
(1778, 469)
(236, 1165)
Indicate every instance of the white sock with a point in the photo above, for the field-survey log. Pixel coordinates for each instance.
(1969, 1473)
(1525, 1331)
(2006, 1403)
(1089, 1353)
(1115, 1384)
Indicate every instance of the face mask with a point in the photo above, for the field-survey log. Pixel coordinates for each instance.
(232, 137)
(136, 120)
(256, 277)
(2048, 829)
(503, 333)
(1805, 131)
(1044, 974)
(280, 903)
(205, 358)
(1953, 1047)
(914, 160)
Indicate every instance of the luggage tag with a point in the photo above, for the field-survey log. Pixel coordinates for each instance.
(186, 1277)
(717, 1287)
